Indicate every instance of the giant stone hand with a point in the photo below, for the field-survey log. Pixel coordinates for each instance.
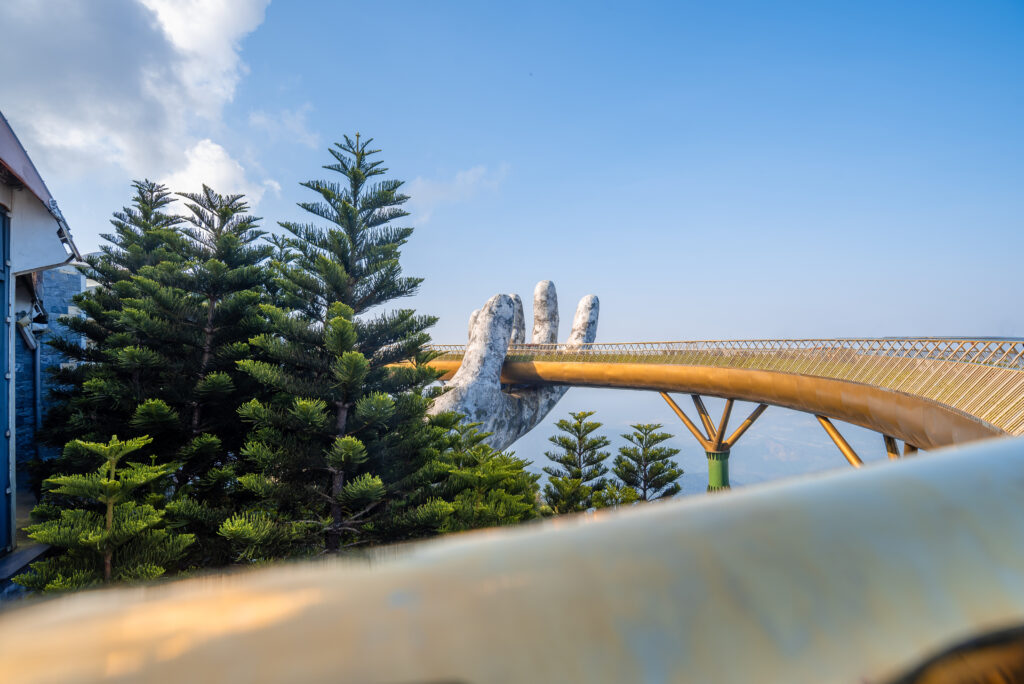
(475, 390)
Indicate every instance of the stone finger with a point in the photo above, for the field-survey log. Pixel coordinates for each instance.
(488, 343)
(545, 313)
(518, 321)
(584, 323)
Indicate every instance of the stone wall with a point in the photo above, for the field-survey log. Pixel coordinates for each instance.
(24, 407)
(56, 288)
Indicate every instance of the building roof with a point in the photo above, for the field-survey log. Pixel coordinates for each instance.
(16, 165)
(16, 161)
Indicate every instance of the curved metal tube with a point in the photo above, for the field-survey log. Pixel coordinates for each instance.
(842, 577)
(916, 420)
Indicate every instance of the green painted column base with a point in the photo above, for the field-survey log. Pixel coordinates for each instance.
(718, 470)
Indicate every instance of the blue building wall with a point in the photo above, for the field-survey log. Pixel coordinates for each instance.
(60, 285)
(58, 288)
(6, 485)
(24, 397)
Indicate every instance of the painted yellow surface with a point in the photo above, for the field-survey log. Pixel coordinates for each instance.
(919, 420)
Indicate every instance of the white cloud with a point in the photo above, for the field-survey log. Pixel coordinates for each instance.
(289, 125)
(207, 35)
(125, 88)
(209, 163)
(426, 195)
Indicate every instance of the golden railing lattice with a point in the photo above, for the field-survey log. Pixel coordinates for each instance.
(981, 377)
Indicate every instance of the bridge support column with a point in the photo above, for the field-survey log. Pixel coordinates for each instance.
(718, 470)
(716, 446)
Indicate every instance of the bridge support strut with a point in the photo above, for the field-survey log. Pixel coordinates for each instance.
(843, 445)
(716, 446)
(891, 447)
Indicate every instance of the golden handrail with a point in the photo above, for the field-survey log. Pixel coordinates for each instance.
(981, 377)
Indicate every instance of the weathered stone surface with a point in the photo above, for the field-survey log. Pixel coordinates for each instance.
(518, 321)
(545, 313)
(475, 389)
(58, 288)
(584, 323)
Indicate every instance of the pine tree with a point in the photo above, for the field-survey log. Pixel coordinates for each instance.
(183, 310)
(144, 235)
(194, 323)
(646, 466)
(89, 401)
(111, 535)
(490, 489)
(196, 320)
(341, 422)
(473, 485)
(614, 495)
(571, 487)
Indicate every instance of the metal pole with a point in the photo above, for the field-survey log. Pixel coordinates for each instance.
(722, 425)
(843, 445)
(891, 448)
(704, 417)
(745, 425)
(687, 422)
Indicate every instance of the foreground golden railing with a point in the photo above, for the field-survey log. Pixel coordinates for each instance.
(983, 378)
(846, 577)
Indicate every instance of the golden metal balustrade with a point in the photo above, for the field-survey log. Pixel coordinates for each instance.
(929, 392)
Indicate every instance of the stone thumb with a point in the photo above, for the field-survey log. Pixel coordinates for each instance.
(488, 343)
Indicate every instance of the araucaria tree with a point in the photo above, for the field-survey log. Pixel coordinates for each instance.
(177, 305)
(282, 403)
(646, 465)
(571, 486)
(478, 486)
(195, 318)
(615, 494)
(113, 532)
(340, 423)
(96, 397)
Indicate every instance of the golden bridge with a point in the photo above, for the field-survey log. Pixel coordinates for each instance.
(926, 392)
(908, 572)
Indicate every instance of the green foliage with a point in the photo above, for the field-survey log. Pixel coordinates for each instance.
(493, 489)
(646, 465)
(263, 373)
(110, 535)
(177, 303)
(571, 487)
(567, 495)
(195, 319)
(464, 484)
(96, 397)
(259, 536)
(338, 430)
(614, 495)
(484, 487)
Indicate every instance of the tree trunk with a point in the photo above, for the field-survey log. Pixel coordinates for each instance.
(334, 534)
(205, 361)
(108, 554)
(337, 483)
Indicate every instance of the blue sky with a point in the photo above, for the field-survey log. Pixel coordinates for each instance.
(709, 170)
